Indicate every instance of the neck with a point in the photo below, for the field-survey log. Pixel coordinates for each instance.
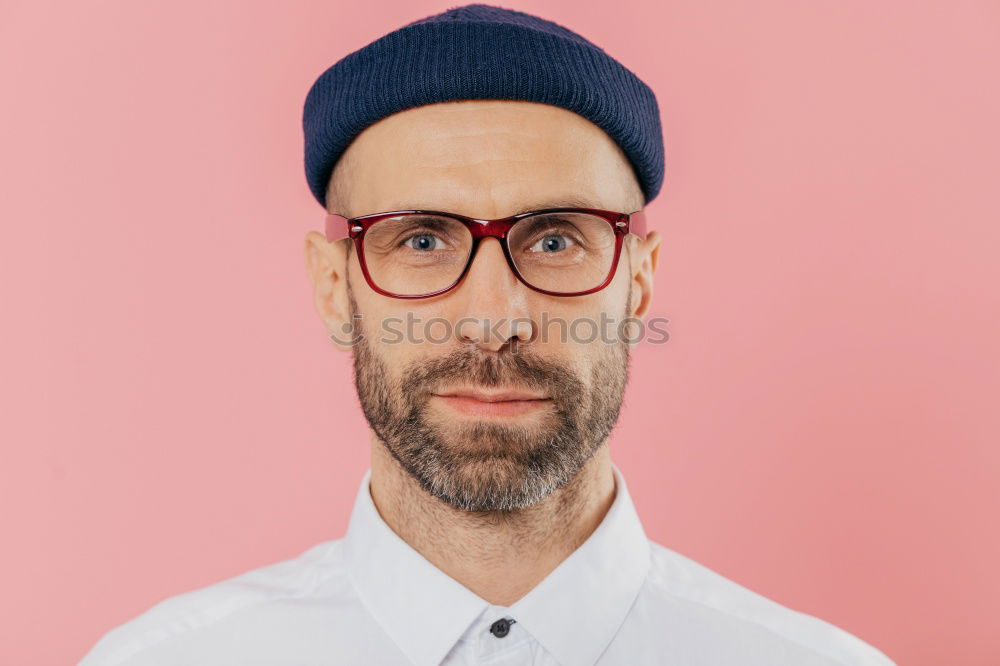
(472, 547)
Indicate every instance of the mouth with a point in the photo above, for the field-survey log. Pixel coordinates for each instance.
(492, 404)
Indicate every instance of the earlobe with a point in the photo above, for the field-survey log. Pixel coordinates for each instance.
(326, 265)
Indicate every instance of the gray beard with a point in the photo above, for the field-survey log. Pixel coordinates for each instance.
(508, 467)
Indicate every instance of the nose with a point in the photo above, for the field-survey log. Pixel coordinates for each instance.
(494, 305)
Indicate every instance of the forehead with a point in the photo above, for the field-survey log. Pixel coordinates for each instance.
(485, 158)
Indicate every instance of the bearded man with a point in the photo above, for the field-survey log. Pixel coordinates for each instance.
(483, 171)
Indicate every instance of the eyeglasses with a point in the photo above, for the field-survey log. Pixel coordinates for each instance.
(424, 253)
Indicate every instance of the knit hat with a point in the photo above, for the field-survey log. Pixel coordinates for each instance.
(480, 51)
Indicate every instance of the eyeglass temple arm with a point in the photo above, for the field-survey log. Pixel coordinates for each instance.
(336, 227)
(637, 223)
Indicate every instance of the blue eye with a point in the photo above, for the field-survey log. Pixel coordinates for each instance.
(422, 242)
(550, 243)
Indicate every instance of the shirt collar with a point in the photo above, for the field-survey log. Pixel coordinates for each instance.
(425, 611)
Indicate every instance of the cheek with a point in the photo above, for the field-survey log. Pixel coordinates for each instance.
(578, 329)
(404, 335)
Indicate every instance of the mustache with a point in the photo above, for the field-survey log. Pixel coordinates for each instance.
(499, 370)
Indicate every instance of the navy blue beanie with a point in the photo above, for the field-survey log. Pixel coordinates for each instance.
(480, 52)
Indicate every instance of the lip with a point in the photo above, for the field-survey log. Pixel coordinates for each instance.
(497, 396)
(498, 404)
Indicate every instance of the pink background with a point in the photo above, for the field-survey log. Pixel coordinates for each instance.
(822, 427)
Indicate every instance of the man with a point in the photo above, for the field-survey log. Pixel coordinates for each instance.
(484, 170)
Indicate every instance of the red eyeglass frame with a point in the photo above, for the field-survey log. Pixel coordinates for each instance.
(339, 227)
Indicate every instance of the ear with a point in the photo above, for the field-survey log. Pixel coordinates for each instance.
(326, 264)
(644, 254)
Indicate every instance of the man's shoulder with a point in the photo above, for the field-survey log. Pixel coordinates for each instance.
(196, 610)
(675, 578)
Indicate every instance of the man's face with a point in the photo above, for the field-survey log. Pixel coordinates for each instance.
(484, 408)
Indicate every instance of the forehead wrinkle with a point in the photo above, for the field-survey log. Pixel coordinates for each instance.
(446, 163)
(568, 201)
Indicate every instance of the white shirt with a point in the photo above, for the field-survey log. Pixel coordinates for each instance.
(370, 599)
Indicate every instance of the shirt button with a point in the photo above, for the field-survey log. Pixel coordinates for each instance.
(501, 627)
